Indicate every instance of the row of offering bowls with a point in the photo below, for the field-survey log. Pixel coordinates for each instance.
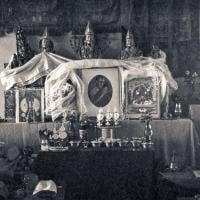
(124, 144)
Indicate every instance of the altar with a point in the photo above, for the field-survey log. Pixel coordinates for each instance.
(98, 98)
(169, 136)
(81, 97)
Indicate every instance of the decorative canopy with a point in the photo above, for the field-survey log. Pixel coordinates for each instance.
(89, 29)
(40, 65)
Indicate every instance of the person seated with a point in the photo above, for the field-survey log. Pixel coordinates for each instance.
(89, 49)
(130, 50)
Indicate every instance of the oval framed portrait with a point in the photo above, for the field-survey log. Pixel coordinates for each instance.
(102, 89)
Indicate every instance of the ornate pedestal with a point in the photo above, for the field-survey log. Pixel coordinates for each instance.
(108, 132)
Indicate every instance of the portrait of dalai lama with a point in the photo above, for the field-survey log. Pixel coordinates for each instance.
(100, 91)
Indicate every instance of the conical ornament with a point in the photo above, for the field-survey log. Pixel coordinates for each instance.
(89, 29)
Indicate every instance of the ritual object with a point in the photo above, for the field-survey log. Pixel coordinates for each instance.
(116, 117)
(108, 123)
(100, 118)
(24, 52)
(46, 43)
(148, 132)
(108, 132)
(44, 145)
(44, 137)
(109, 118)
(178, 110)
(155, 52)
(89, 49)
(173, 165)
(130, 50)
(84, 125)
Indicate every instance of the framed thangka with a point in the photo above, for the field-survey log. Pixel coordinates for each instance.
(10, 105)
(142, 97)
(30, 105)
(102, 90)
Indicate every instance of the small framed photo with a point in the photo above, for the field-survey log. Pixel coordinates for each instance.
(142, 97)
(102, 90)
(30, 105)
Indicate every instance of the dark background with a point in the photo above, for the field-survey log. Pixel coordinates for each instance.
(173, 24)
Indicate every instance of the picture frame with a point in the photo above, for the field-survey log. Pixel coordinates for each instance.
(102, 90)
(142, 96)
(10, 105)
(29, 105)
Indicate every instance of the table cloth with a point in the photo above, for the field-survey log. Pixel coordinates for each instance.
(100, 174)
(169, 135)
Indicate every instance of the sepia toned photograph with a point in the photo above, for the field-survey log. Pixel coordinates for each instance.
(100, 100)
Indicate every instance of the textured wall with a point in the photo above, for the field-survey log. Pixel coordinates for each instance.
(174, 24)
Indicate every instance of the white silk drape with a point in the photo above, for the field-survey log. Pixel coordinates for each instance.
(133, 68)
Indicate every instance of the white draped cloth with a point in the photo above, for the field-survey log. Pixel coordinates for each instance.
(40, 65)
(133, 68)
(64, 89)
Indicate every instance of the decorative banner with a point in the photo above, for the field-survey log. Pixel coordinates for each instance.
(181, 21)
(99, 12)
(43, 12)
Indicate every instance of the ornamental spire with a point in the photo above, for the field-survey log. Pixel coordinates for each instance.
(89, 29)
(129, 35)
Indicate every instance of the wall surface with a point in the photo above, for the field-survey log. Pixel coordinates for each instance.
(173, 24)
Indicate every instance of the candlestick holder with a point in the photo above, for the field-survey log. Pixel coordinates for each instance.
(116, 117)
(109, 118)
(100, 118)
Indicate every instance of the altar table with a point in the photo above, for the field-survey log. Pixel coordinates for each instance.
(99, 174)
(169, 135)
